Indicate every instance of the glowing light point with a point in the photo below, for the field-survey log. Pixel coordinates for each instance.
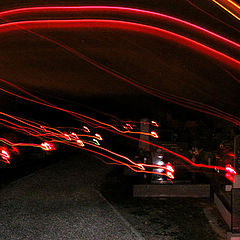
(5, 155)
(154, 123)
(96, 141)
(80, 143)
(75, 136)
(86, 129)
(230, 169)
(67, 137)
(129, 126)
(169, 167)
(98, 136)
(160, 163)
(154, 134)
(170, 175)
(229, 177)
(48, 146)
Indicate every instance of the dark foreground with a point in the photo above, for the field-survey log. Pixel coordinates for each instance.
(63, 201)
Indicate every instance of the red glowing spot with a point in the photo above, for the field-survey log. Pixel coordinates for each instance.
(229, 177)
(15, 150)
(129, 126)
(169, 167)
(48, 146)
(5, 155)
(154, 123)
(154, 134)
(231, 155)
(169, 175)
(67, 136)
(80, 143)
(74, 136)
(98, 136)
(230, 169)
(86, 129)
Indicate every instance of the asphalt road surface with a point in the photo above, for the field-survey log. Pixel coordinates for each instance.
(61, 202)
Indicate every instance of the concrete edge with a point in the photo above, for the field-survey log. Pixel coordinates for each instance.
(135, 232)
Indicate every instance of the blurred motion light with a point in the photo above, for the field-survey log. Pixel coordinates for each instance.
(48, 146)
(154, 134)
(170, 167)
(229, 177)
(5, 155)
(80, 143)
(98, 136)
(230, 169)
(169, 175)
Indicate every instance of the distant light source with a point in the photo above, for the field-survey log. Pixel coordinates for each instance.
(96, 141)
(230, 169)
(169, 175)
(5, 155)
(170, 167)
(48, 146)
(154, 123)
(86, 129)
(229, 177)
(154, 134)
(80, 143)
(98, 136)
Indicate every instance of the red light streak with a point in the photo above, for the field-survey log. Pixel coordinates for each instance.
(210, 110)
(5, 155)
(98, 136)
(230, 169)
(48, 146)
(229, 177)
(170, 175)
(231, 155)
(154, 123)
(125, 26)
(112, 10)
(154, 134)
(169, 167)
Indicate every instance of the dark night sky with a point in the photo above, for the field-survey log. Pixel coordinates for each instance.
(36, 64)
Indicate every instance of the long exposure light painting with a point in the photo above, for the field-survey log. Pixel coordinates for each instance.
(226, 54)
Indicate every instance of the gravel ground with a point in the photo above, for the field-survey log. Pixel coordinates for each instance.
(164, 218)
(61, 202)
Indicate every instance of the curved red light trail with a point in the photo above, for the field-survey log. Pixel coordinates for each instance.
(123, 25)
(111, 10)
(59, 22)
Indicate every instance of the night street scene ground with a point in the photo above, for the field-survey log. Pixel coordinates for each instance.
(120, 120)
